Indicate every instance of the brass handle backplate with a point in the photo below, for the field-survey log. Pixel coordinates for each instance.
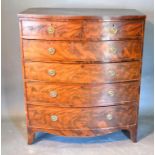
(51, 72)
(51, 50)
(111, 73)
(53, 93)
(109, 117)
(111, 93)
(112, 50)
(54, 118)
(50, 30)
(113, 30)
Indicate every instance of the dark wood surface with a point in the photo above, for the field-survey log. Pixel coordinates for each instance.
(97, 62)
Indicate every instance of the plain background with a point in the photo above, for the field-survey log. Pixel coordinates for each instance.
(12, 85)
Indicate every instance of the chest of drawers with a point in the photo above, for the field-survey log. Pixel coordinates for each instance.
(81, 70)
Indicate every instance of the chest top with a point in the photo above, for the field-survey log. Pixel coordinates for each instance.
(82, 13)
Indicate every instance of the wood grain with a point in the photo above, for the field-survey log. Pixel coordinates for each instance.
(83, 62)
(63, 30)
(83, 73)
(85, 132)
(101, 30)
(37, 50)
(89, 132)
(71, 95)
(81, 118)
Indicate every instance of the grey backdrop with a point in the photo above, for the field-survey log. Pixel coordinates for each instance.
(12, 86)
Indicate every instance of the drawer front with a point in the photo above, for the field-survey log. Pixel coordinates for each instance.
(83, 73)
(70, 30)
(67, 95)
(107, 51)
(113, 30)
(81, 118)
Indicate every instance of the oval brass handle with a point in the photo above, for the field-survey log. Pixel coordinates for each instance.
(53, 93)
(54, 118)
(111, 73)
(51, 50)
(51, 72)
(111, 93)
(50, 30)
(112, 50)
(113, 30)
(109, 117)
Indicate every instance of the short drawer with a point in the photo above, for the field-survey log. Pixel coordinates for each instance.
(78, 95)
(94, 30)
(81, 118)
(70, 30)
(83, 73)
(106, 51)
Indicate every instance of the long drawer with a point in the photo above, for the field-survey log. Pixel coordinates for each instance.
(78, 95)
(81, 118)
(82, 30)
(106, 51)
(83, 73)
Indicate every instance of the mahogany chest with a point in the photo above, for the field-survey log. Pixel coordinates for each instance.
(81, 70)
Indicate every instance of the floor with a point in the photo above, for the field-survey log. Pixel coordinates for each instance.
(14, 141)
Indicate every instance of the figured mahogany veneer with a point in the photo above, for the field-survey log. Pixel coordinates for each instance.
(107, 51)
(101, 30)
(82, 118)
(62, 30)
(80, 95)
(92, 30)
(83, 73)
(81, 70)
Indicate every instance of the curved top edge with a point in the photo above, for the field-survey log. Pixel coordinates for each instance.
(81, 13)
